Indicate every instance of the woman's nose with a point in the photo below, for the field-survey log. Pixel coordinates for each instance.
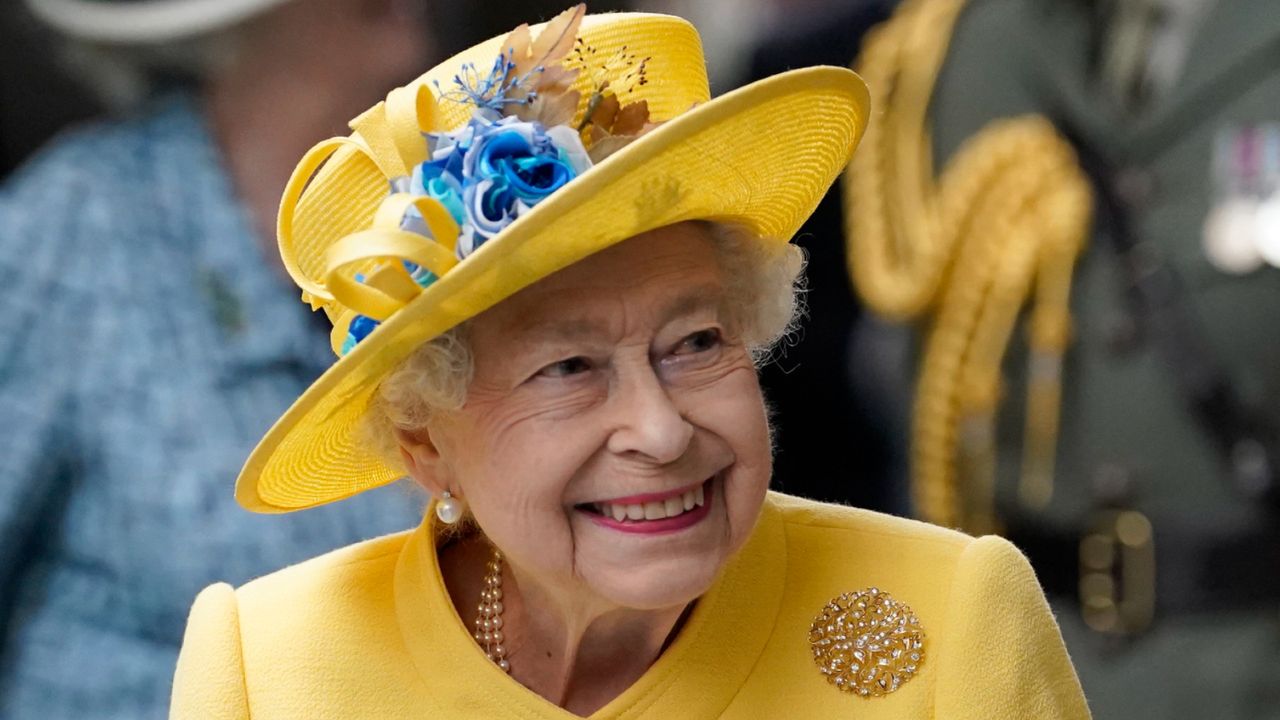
(647, 423)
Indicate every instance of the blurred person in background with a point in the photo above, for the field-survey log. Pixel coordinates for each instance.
(37, 98)
(1115, 165)
(133, 378)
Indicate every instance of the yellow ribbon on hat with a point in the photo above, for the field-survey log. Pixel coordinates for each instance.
(392, 130)
(390, 134)
(389, 287)
(380, 295)
(313, 293)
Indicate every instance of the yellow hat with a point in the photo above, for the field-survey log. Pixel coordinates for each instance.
(761, 156)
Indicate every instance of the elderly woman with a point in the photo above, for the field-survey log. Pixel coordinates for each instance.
(552, 325)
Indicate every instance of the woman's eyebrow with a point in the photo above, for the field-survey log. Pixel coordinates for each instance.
(541, 328)
(692, 300)
(574, 329)
(695, 299)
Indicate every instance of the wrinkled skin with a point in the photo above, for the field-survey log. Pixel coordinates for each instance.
(617, 376)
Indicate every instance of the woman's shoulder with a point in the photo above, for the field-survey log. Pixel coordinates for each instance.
(318, 597)
(976, 602)
(810, 521)
(286, 638)
(835, 549)
(341, 567)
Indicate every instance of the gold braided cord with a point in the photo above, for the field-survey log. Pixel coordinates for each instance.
(963, 253)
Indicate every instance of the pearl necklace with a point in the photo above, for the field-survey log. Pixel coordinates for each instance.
(489, 614)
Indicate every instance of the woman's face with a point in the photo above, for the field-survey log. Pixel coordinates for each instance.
(607, 399)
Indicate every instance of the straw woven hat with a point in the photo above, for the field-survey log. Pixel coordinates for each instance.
(761, 156)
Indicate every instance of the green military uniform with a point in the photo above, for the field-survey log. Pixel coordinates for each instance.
(1129, 435)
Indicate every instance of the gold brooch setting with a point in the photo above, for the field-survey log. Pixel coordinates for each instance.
(867, 643)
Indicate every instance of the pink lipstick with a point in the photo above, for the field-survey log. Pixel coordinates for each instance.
(675, 514)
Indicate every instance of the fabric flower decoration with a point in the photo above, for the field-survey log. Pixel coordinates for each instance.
(358, 330)
(488, 173)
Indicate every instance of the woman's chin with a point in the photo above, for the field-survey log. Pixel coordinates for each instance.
(664, 585)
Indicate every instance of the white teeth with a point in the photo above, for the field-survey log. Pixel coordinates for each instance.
(674, 506)
(655, 509)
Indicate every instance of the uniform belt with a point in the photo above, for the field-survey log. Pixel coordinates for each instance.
(1194, 572)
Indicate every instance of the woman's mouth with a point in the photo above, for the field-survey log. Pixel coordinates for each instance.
(653, 513)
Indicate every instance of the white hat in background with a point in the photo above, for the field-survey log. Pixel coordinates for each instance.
(143, 21)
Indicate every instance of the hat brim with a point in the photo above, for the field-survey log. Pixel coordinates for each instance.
(144, 21)
(761, 156)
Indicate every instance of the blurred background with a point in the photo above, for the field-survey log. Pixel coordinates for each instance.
(1043, 302)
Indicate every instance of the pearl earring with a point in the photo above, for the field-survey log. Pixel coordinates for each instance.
(448, 508)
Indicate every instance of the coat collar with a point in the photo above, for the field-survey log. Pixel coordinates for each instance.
(694, 677)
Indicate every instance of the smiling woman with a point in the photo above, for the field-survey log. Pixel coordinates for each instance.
(571, 374)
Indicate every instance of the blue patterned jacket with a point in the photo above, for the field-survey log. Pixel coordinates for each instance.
(145, 345)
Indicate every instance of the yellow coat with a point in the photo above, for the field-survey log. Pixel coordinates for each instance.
(368, 631)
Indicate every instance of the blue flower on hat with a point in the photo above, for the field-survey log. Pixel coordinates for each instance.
(490, 172)
(358, 330)
(434, 181)
(524, 159)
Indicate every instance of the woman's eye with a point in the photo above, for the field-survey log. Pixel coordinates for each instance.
(700, 341)
(566, 367)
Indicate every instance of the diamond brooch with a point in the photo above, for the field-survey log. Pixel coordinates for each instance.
(867, 643)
